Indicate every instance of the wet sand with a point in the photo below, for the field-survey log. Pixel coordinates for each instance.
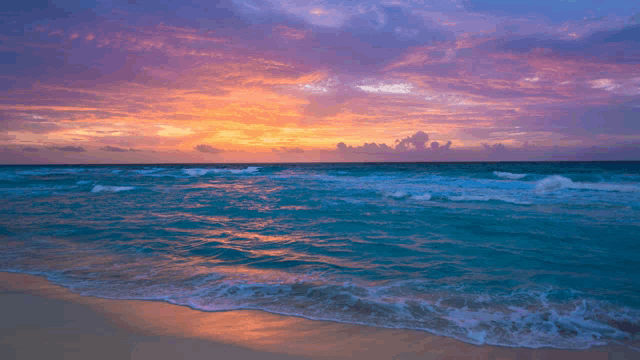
(40, 320)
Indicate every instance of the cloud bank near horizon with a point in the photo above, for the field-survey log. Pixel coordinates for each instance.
(413, 148)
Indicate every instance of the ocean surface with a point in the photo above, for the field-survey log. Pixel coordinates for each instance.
(513, 254)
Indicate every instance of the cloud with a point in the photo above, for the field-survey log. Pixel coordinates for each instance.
(117, 149)
(16, 121)
(495, 148)
(435, 146)
(386, 88)
(207, 149)
(30, 149)
(415, 142)
(414, 145)
(557, 11)
(290, 150)
(67, 148)
(619, 46)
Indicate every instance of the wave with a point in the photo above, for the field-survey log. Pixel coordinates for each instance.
(510, 176)
(398, 194)
(50, 171)
(487, 198)
(557, 182)
(147, 171)
(522, 318)
(100, 188)
(517, 319)
(204, 171)
(7, 176)
(423, 197)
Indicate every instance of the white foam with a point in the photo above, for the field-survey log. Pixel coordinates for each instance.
(147, 171)
(248, 170)
(83, 182)
(423, 197)
(196, 172)
(557, 182)
(201, 172)
(398, 194)
(99, 188)
(510, 176)
(552, 183)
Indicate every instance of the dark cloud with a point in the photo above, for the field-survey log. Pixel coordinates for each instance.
(495, 148)
(290, 150)
(15, 121)
(116, 149)
(557, 11)
(620, 46)
(581, 121)
(435, 146)
(207, 149)
(30, 149)
(411, 147)
(415, 142)
(67, 148)
(372, 40)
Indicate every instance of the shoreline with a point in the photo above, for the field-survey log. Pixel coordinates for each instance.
(42, 319)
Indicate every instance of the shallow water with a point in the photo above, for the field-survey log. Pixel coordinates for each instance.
(514, 254)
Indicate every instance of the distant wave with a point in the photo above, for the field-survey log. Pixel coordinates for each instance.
(147, 171)
(398, 194)
(100, 188)
(510, 176)
(487, 198)
(6, 176)
(204, 171)
(423, 197)
(557, 182)
(50, 171)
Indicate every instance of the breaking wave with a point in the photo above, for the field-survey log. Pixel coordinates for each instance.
(195, 172)
(510, 176)
(557, 182)
(100, 188)
(423, 197)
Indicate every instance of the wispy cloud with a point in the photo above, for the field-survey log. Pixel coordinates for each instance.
(67, 148)
(117, 149)
(207, 149)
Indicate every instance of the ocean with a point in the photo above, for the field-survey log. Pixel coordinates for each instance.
(512, 254)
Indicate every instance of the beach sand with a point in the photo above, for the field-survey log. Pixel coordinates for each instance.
(40, 320)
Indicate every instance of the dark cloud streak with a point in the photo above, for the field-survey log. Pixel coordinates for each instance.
(68, 148)
(207, 149)
(117, 149)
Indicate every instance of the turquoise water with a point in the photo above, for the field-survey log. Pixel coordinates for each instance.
(514, 254)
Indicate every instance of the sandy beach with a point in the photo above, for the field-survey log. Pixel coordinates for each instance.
(42, 320)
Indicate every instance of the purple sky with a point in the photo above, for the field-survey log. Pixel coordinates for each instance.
(223, 81)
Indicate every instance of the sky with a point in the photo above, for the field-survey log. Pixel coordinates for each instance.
(144, 81)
